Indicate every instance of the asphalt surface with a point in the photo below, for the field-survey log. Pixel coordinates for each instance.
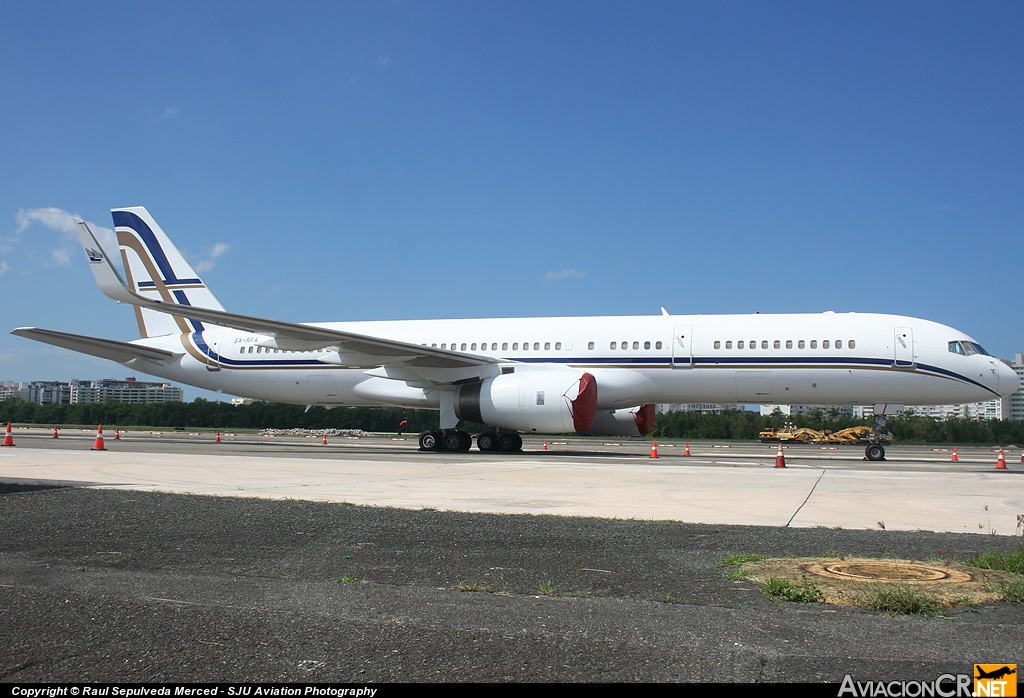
(114, 585)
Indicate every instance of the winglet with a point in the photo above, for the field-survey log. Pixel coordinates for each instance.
(107, 276)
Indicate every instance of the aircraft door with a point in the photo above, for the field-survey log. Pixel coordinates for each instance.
(903, 348)
(213, 350)
(682, 346)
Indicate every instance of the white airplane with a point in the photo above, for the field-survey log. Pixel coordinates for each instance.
(596, 375)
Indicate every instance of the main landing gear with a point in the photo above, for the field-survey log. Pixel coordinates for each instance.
(455, 441)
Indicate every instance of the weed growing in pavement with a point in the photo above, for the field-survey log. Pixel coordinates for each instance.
(901, 601)
(348, 580)
(474, 586)
(666, 596)
(1012, 561)
(1012, 591)
(830, 555)
(548, 588)
(739, 559)
(781, 589)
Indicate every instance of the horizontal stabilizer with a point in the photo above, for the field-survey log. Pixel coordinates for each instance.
(121, 352)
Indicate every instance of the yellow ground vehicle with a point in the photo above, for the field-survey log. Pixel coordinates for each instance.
(852, 435)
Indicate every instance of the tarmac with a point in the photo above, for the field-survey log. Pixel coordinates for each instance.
(585, 562)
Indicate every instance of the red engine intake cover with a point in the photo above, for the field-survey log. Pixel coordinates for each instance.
(584, 407)
(645, 419)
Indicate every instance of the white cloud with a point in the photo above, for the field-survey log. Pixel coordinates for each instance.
(210, 256)
(61, 257)
(4, 267)
(564, 274)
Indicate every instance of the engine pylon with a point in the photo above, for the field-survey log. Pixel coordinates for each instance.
(780, 458)
(98, 445)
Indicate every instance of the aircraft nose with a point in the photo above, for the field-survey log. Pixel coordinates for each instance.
(1009, 382)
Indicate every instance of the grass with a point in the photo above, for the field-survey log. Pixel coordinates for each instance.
(903, 601)
(780, 589)
(474, 586)
(1013, 591)
(1012, 561)
(348, 580)
(730, 560)
(548, 588)
(830, 555)
(666, 596)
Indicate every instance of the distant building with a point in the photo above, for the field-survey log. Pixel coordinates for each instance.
(49, 392)
(702, 408)
(1015, 409)
(12, 389)
(842, 410)
(241, 401)
(130, 391)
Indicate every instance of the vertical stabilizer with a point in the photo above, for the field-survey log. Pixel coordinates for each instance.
(157, 270)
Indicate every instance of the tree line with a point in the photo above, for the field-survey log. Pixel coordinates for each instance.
(729, 425)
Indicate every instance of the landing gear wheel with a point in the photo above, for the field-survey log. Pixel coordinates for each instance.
(452, 441)
(510, 443)
(430, 441)
(488, 441)
(874, 452)
(465, 441)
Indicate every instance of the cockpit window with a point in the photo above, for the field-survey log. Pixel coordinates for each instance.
(966, 348)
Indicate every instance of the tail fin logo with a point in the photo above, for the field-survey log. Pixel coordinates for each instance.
(95, 256)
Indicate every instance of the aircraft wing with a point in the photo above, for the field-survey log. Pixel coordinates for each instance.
(287, 335)
(121, 352)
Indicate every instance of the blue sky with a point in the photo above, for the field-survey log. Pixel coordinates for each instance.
(391, 160)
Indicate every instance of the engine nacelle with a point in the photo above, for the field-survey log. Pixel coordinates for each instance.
(634, 421)
(551, 402)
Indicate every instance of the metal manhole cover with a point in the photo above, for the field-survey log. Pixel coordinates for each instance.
(885, 571)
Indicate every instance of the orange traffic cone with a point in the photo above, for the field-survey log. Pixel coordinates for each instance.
(117, 434)
(325, 439)
(954, 458)
(1022, 457)
(1001, 461)
(687, 451)
(8, 437)
(654, 449)
(545, 445)
(780, 458)
(98, 445)
(55, 433)
(217, 440)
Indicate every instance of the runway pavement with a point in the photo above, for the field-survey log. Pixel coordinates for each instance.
(916, 488)
(109, 582)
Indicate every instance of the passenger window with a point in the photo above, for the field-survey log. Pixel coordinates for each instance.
(250, 349)
(657, 345)
(852, 344)
(494, 346)
(547, 346)
(647, 345)
(718, 345)
(590, 345)
(728, 344)
(612, 345)
(241, 350)
(504, 346)
(839, 344)
(624, 345)
(472, 347)
(814, 344)
(764, 343)
(515, 346)
(800, 344)
(463, 346)
(739, 344)
(752, 344)
(824, 344)
(636, 345)
(558, 346)
(777, 344)
(789, 343)
(443, 345)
